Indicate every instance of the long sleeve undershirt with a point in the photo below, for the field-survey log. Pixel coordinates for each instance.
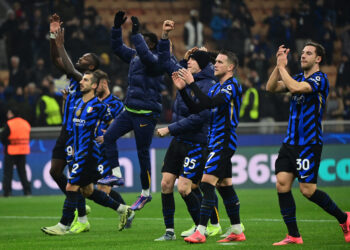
(205, 102)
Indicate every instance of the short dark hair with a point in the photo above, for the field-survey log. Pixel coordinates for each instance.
(231, 57)
(102, 75)
(320, 50)
(152, 37)
(95, 60)
(94, 78)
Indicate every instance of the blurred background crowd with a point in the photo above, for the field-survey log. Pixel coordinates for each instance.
(253, 29)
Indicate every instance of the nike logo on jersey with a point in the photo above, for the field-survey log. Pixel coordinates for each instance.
(187, 172)
(207, 167)
(304, 176)
(143, 125)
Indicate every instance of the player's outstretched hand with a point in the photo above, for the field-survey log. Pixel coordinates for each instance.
(186, 75)
(55, 23)
(189, 52)
(64, 93)
(163, 131)
(168, 25)
(99, 139)
(178, 82)
(282, 59)
(135, 25)
(119, 19)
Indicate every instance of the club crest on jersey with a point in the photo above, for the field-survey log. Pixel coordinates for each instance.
(89, 109)
(78, 113)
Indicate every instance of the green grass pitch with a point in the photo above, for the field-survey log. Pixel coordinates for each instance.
(21, 219)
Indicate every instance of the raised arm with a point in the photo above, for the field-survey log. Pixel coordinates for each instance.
(292, 85)
(168, 62)
(143, 50)
(205, 102)
(275, 84)
(55, 24)
(118, 47)
(67, 64)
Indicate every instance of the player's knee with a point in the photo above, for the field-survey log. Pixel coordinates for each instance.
(184, 190)
(86, 192)
(167, 186)
(56, 169)
(282, 187)
(104, 188)
(307, 192)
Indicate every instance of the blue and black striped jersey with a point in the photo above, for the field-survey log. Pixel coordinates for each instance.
(86, 117)
(73, 94)
(224, 118)
(115, 106)
(306, 111)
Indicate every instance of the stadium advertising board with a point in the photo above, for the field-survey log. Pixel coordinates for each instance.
(252, 166)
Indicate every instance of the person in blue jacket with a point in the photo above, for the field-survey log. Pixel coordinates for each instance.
(185, 157)
(143, 99)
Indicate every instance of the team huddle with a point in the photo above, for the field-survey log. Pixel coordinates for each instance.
(204, 122)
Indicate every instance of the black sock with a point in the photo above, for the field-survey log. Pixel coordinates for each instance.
(70, 204)
(214, 218)
(61, 182)
(323, 200)
(168, 204)
(103, 199)
(198, 193)
(208, 203)
(81, 205)
(287, 206)
(193, 206)
(231, 203)
(117, 197)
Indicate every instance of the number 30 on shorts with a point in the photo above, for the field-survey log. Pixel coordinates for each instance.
(303, 164)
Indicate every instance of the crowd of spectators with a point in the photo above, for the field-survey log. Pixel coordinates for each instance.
(31, 74)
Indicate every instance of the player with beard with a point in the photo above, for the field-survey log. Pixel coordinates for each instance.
(300, 154)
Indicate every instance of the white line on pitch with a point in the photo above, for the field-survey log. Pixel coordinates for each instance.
(146, 219)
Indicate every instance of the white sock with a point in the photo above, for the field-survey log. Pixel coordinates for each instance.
(201, 229)
(216, 225)
(64, 227)
(82, 219)
(236, 228)
(122, 208)
(145, 192)
(116, 172)
(169, 230)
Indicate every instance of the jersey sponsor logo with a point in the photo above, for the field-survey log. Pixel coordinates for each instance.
(79, 122)
(299, 99)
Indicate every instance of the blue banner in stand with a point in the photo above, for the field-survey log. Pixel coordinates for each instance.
(252, 165)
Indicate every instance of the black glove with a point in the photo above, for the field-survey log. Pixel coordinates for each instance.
(119, 19)
(135, 25)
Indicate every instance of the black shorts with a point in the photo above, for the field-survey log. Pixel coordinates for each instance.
(303, 161)
(219, 162)
(59, 151)
(185, 159)
(83, 173)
